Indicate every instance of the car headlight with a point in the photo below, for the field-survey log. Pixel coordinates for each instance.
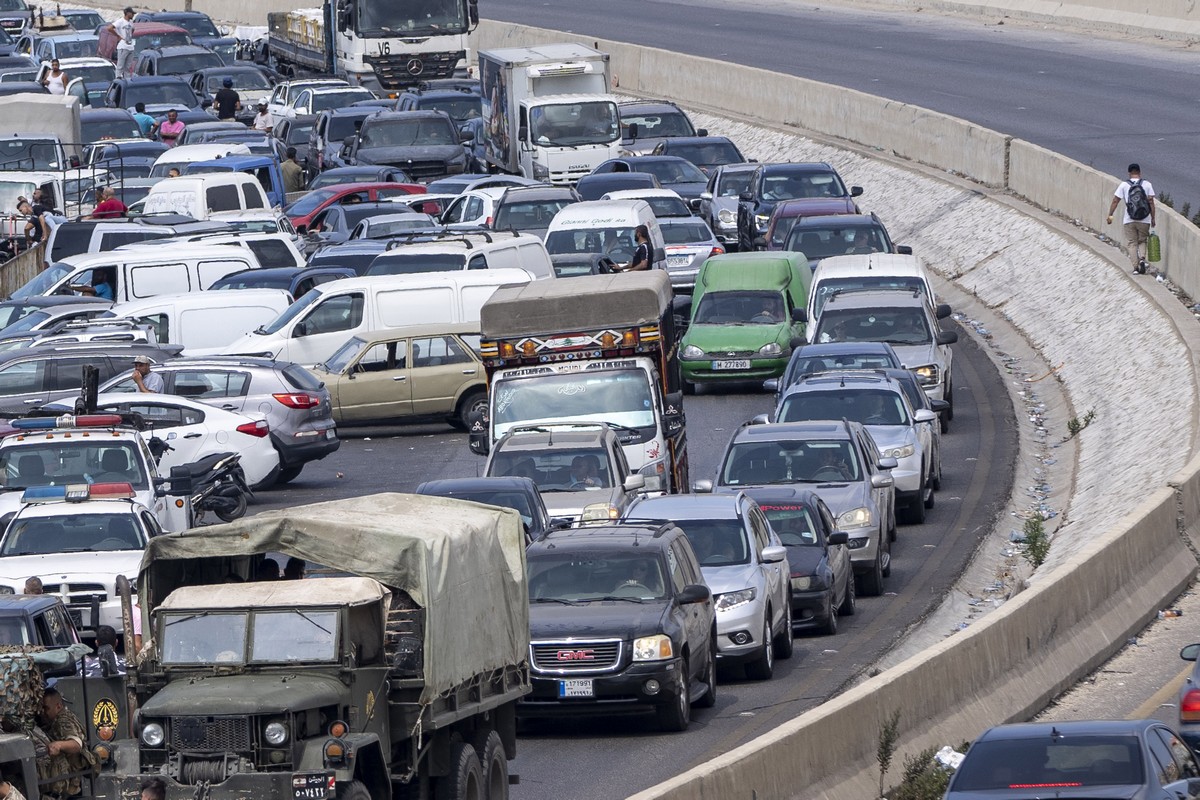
(900, 452)
(654, 473)
(858, 543)
(761, 220)
(152, 735)
(927, 375)
(600, 512)
(772, 349)
(691, 351)
(730, 600)
(653, 648)
(726, 216)
(802, 584)
(7, 590)
(275, 733)
(855, 518)
(540, 173)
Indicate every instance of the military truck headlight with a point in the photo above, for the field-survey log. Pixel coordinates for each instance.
(152, 735)
(276, 734)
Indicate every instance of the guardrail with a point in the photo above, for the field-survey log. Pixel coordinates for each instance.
(1076, 614)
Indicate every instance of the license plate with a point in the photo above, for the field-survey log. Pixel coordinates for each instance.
(313, 785)
(742, 364)
(576, 687)
(331, 433)
(678, 261)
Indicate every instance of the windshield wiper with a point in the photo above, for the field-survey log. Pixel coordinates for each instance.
(562, 600)
(188, 618)
(625, 599)
(315, 623)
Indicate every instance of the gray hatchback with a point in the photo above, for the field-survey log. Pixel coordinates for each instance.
(297, 405)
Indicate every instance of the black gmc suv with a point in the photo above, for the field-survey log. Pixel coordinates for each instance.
(619, 621)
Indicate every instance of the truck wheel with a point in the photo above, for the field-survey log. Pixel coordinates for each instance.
(471, 402)
(495, 764)
(355, 790)
(465, 780)
(675, 715)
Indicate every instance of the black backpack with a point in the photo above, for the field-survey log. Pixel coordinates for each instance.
(1137, 205)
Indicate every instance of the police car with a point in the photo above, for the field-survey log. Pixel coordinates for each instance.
(85, 449)
(77, 538)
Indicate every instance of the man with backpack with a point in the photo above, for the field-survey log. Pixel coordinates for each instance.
(1140, 213)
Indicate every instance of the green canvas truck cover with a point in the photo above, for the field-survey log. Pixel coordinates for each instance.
(463, 562)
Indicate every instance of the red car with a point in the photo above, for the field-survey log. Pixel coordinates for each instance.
(145, 35)
(787, 212)
(302, 211)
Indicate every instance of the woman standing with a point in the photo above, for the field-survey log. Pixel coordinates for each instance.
(56, 79)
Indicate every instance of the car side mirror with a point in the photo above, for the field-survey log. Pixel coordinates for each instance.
(1190, 652)
(797, 342)
(773, 554)
(943, 310)
(694, 593)
(746, 197)
(301, 229)
(559, 523)
(466, 136)
(632, 131)
(634, 483)
(887, 462)
(761, 419)
(771, 385)
(924, 415)
(702, 131)
(904, 250)
(939, 406)
(706, 195)
(759, 243)
(694, 204)
(799, 315)
(946, 337)
(74, 161)
(856, 191)
(838, 537)
(882, 481)
(702, 486)
(300, 331)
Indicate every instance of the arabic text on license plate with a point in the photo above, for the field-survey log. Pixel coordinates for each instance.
(576, 687)
(742, 364)
(312, 785)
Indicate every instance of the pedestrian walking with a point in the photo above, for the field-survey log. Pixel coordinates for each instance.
(227, 101)
(293, 173)
(123, 28)
(1140, 214)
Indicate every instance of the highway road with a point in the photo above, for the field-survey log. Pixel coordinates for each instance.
(1104, 103)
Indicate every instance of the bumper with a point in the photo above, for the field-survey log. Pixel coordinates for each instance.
(907, 475)
(622, 693)
(811, 608)
(259, 785)
(935, 392)
(1190, 733)
(701, 371)
(306, 445)
(745, 620)
(862, 558)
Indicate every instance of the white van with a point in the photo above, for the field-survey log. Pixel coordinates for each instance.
(605, 227)
(205, 322)
(867, 272)
(180, 157)
(198, 196)
(315, 326)
(466, 251)
(271, 249)
(135, 274)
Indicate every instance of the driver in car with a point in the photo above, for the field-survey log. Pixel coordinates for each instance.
(833, 462)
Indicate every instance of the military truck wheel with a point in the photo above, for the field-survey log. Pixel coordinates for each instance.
(355, 790)
(494, 762)
(465, 781)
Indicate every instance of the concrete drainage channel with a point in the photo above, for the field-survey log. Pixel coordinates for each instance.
(1075, 333)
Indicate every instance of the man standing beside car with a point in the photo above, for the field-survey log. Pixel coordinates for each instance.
(293, 173)
(123, 28)
(227, 101)
(147, 382)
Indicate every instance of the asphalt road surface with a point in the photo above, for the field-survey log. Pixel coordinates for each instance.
(554, 756)
(1104, 103)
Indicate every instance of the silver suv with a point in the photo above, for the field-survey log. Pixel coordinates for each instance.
(837, 460)
(295, 403)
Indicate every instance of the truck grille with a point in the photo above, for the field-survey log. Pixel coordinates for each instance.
(396, 71)
(424, 169)
(78, 592)
(576, 657)
(210, 734)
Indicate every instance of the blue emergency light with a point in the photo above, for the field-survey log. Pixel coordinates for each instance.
(67, 421)
(78, 493)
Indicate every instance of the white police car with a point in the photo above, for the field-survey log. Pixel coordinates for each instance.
(77, 539)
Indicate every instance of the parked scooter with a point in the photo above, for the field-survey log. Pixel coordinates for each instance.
(217, 485)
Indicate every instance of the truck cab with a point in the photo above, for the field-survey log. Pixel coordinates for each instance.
(263, 169)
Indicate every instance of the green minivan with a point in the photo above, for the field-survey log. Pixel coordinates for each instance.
(746, 310)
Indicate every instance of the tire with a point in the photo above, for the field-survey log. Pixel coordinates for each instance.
(355, 790)
(886, 558)
(465, 780)
(783, 643)
(891, 531)
(494, 764)
(850, 601)
(237, 512)
(674, 717)
(763, 667)
(288, 474)
(830, 626)
(710, 678)
(929, 498)
(914, 513)
(689, 388)
(871, 583)
(949, 395)
(472, 401)
(937, 475)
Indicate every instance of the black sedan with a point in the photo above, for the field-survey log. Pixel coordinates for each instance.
(519, 494)
(673, 172)
(818, 557)
(364, 174)
(706, 152)
(1138, 759)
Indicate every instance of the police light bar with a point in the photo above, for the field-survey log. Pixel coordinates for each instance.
(67, 421)
(111, 491)
(78, 493)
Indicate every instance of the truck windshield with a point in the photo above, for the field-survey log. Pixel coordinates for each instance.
(297, 635)
(76, 48)
(616, 243)
(621, 397)
(408, 133)
(204, 637)
(196, 26)
(26, 154)
(574, 124)
(63, 462)
(77, 533)
(41, 283)
(412, 16)
(555, 577)
(10, 191)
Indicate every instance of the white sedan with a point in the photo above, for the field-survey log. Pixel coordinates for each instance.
(195, 430)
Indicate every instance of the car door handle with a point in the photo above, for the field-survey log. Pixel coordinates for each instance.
(192, 435)
(400, 378)
(468, 372)
(229, 407)
(33, 400)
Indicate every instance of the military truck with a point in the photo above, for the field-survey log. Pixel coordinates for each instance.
(397, 676)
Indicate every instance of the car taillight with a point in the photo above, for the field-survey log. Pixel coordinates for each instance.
(258, 428)
(1189, 706)
(297, 399)
(717, 251)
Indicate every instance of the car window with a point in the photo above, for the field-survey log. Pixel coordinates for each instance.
(1164, 761)
(868, 406)
(68, 372)
(223, 198)
(477, 261)
(167, 415)
(760, 529)
(1182, 755)
(272, 253)
(383, 357)
(675, 563)
(784, 462)
(209, 384)
(792, 523)
(438, 351)
(341, 313)
(152, 526)
(26, 376)
(1079, 760)
(254, 199)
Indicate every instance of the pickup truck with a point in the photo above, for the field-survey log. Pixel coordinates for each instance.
(264, 169)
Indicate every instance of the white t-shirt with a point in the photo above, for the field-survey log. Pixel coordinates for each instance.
(263, 121)
(1123, 193)
(124, 29)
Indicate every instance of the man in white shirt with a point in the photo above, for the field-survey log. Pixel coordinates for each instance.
(1140, 214)
(147, 382)
(125, 51)
(262, 120)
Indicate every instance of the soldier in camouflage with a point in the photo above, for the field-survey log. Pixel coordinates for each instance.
(66, 751)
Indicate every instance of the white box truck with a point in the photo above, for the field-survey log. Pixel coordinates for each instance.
(547, 113)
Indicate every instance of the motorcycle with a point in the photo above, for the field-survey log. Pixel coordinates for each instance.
(217, 485)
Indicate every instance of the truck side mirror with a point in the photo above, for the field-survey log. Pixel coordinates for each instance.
(473, 12)
(343, 16)
(904, 250)
(632, 130)
(946, 337)
(465, 136)
(855, 191)
(943, 310)
(523, 134)
(702, 131)
(799, 315)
